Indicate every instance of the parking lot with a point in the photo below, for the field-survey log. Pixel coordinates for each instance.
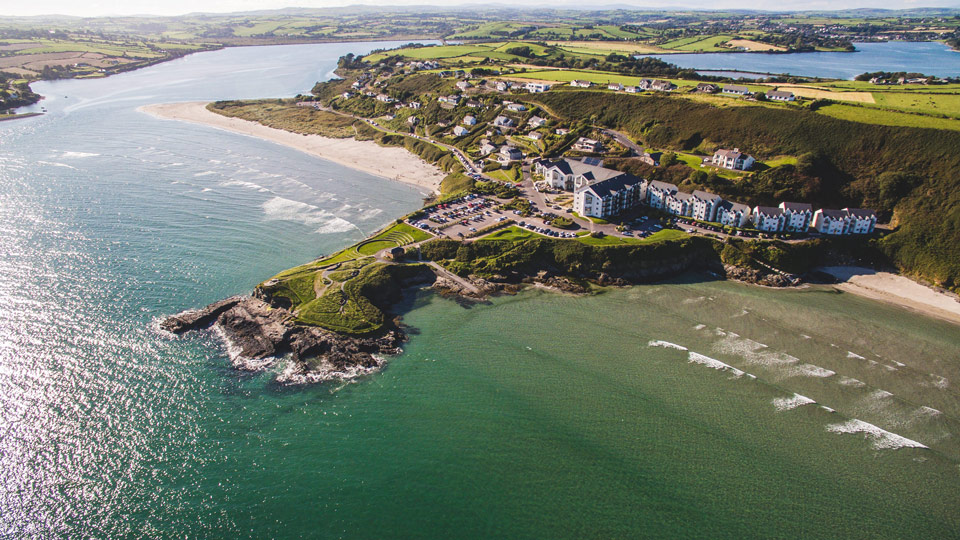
(461, 217)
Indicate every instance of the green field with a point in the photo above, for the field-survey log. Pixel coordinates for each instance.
(926, 103)
(699, 44)
(659, 236)
(510, 233)
(871, 115)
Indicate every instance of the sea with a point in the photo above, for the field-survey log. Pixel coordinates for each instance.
(691, 408)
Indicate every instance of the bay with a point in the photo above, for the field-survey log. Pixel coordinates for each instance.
(666, 410)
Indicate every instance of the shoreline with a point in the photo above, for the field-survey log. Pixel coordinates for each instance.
(896, 290)
(391, 163)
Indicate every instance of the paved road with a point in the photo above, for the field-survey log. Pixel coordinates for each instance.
(624, 140)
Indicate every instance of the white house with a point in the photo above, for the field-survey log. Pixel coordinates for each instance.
(536, 87)
(469, 120)
(631, 89)
(679, 204)
(463, 85)
(384, 98)
(657, 193)
(768, 218)
(584, 144)
(705, 206)
(616, 87)
(452, 100)
(798, 216)
(736, 90)
(827, 221)
(733, 214)
(503, 86)
(862, 221)
(413, 120)
(581, 84)
(487, 148)
(414, 104)
(732, 159)
(536, 121)
(608, 197)
(509, 153)
(780, 95)
(503, 121)
(663, 86)
(570, 174)
(645, 84)
(516, 107)
(460, 131)
(535, 135)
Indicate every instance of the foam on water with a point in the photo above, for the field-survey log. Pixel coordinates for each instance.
(855, 355)
(78, 155)
(811, 370)
(698, 358)
(881, 438)
(788, 403)
(280, 208)
(850, 381)
(666, 345)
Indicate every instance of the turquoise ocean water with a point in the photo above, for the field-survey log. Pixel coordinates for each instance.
(692, 408)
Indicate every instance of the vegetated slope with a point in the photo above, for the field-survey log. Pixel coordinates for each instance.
(909, 174)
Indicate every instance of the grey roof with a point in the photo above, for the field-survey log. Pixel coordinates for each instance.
(681, 196)
(835, 214)
(796, 206)
(735, 88)
(730, 206)
(732, 154)
(779, 93)
(860, 212)
(594, 173)
(663, 186)
(769, 210)
(706, 196)
(611, 186)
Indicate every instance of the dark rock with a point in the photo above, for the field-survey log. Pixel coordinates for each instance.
(199, 318)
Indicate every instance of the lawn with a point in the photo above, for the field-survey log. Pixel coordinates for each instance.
(694, 162)
(871, 115)
(659, 236)
(511, 175)
(707, 44)
(935, 104)
(510, 233)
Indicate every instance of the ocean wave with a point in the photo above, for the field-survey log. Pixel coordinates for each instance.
(666, 345)
(788, 403)
(78, 155)
(56, 164)
(204, 173)
(850, 381)
(855, 355)
(698, 358)
(881, 438)
(294, 374)
(811, 370)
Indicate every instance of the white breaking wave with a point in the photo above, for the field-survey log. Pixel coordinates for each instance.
(697, 358)
(248, 185)
(699, 327)
(336, 225)
(810, 370)
(881, 438)
(850, 381)
(78, 155)
(279, 208)
(294, 374)
(787, 403)
(666, 345)
(204, 173)
(55, 164)
(855, 355)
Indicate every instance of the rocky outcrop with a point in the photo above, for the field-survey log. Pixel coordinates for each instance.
(257, 333)
(759, 277)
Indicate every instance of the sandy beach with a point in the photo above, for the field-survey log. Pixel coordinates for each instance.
(895, 289)
(388, 162)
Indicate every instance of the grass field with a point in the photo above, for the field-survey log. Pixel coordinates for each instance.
(659, 236)
(871, 115)
(933, 104)
(820, 93)
(699, 44)
(751, 45)
(606, 47)
(510, 233)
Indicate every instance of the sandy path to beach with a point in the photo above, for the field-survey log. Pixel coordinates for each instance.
(895, 289)
(388, 162)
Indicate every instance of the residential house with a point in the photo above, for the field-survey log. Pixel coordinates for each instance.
(732, 159)
(663, 86)
(780, 95)
(469, 120)
(384, 98)
(450, 100)
(645, 84)
(733, 214)
(535, 135)
(536, 121)
(708, 88)
(616, 87)
(536, 87)
(414, 104)
(631, 89)
(584, 144)
(862, 221)
(503, 121)
(487, 148)
(736, 90)
(826, 221)
(460, 131)
(608, 197)
(768, 218)
(798, 216)
(581, 84)
(705, 206)
(503, 86)
(473, 104)
(678, 204)
(651, 159)
(413, 120)
(346, 95)
(463, 85)
(657, 193)
(516, 107)
(509, 153)
(571, 174)
(561, 131)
